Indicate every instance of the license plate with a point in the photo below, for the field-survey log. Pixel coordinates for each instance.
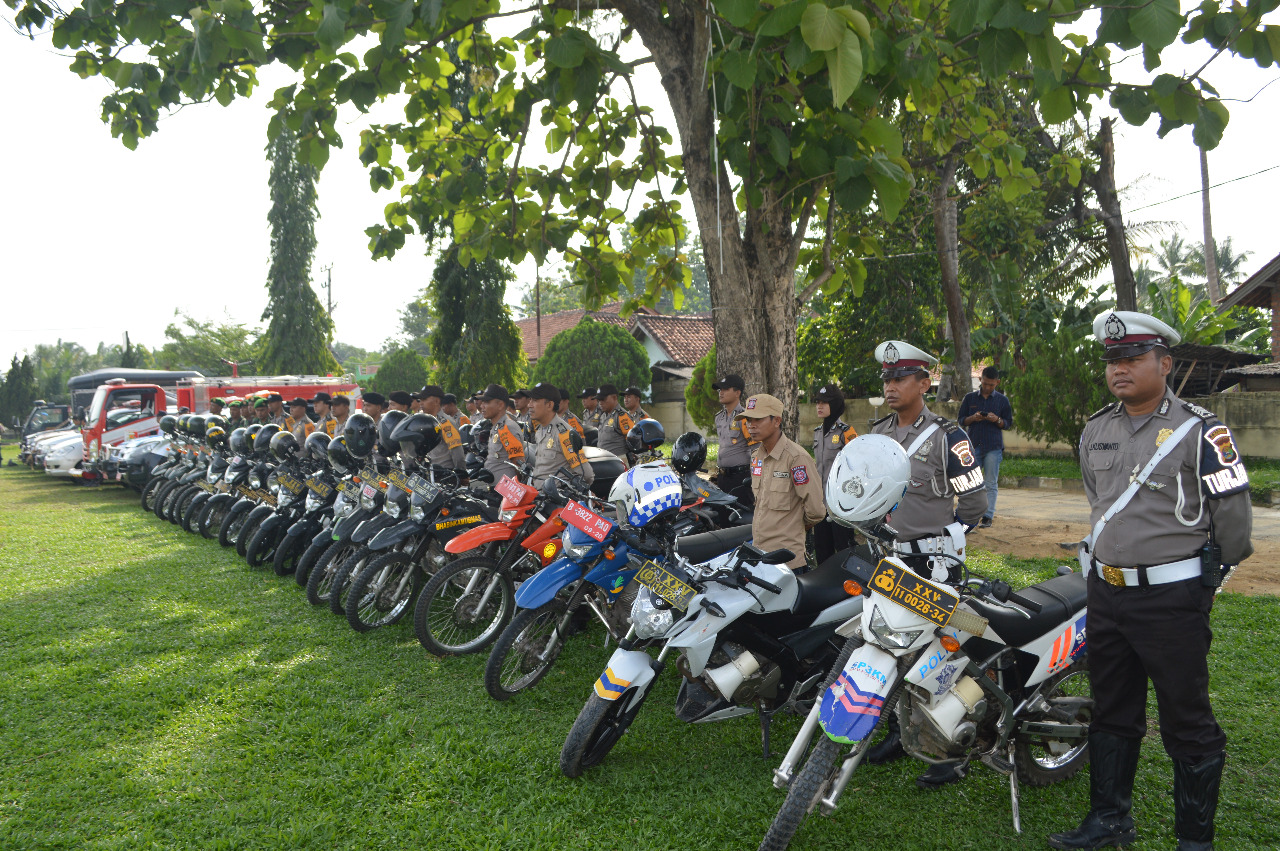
(371, 476)
(368, 490)
(424, 488)
(666, 585)
(587, 521)
(290, 484)
(319, 487)
(205, 486)
(266, 497)
(399, 479)
(511, 490)
(245, 491)
(913, 593)
(351, 489)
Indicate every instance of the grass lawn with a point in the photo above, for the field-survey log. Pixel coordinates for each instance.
(157, 694)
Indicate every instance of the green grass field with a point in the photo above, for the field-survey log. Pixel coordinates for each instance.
(156, 693)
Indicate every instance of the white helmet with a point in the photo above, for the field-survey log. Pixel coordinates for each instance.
(868, 479)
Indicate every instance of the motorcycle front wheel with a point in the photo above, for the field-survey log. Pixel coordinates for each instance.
(525, 650)
(818, 771)
(464, 607)
(308, 560)
(149, 493)
(246, 534)
(179, 507)
(233, 523)
(380, 595)
(191, 513)
(161, 504)
(262, 548)
(342, 577)
(1042, 760)
(597, 729)
(211, 517)
(320, 582)
(288, 551)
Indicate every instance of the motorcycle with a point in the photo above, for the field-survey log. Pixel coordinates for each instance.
(364, 496)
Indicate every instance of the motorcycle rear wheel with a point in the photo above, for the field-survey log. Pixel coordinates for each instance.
(149, 493)
(376, 598)
(522, 655)
(320, 582)
(288, 551)
(818, 771)
(448, 620)
(1041, 760)
(262, 548)
(597, 729)
(233, 523)
(308, 560)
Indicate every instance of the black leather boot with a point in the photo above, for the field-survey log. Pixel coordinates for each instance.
(890, 747)
(1113, 762)
(1195, 801)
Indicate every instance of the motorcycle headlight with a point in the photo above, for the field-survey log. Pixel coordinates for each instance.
(891, 637)
(273, 480)
(342, 510)
(649, 620)
(366, 502)
(255, 481)
(507, 515)
(416, 512)
(313, 501)
(392, 509)
(283, 497)
(577, 552)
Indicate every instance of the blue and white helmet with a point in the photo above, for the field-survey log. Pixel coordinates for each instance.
(644, 492)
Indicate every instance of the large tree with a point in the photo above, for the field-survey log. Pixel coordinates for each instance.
(207, 345)
(300, 330)
(784, 112)
(474, 342)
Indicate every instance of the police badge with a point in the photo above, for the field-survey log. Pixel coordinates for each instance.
(1114, 327)
(891, 355)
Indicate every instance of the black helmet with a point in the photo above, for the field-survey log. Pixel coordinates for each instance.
(416, 435)
(689, 452)
(250, 436)
(646, 435)
(215, 419)
(386, 426)
(182, 423)
(317, 445)
(284, 445)
(262, 440)
(340, 458)
(168, 423)
(361, 434)
(239, 441)
(215, 436)
(195, 426)
(465, 432)
(480, 437)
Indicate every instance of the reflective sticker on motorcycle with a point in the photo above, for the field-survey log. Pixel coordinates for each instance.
(610, 686)
(1067, 646)
(849, 712)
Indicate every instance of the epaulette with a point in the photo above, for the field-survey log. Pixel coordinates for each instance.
(883, 419)
(945, 424)
(1103, 410)
(1200, 412)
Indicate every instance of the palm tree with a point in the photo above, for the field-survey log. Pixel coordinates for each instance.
(1174, 256)
(1230, 264)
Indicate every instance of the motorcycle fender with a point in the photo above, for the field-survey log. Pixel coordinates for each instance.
(304, 528)
(348, 524)
(479, 536)
(387, 538)
(200, 499)
(612, 575)
(540, 588)
(1057, 648)
(220, 498)
(626, 669)
(260, 511)
(851, 708)
(371, 527)
(271, 522)
(322, 536)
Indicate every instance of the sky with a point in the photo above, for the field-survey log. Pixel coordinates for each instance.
(101, 240)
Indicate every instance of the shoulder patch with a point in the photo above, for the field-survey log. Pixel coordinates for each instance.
(800, 474)
(1106, 409)
(946, 425)
(1200, 412)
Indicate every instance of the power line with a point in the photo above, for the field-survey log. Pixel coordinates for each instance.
(1197, 191)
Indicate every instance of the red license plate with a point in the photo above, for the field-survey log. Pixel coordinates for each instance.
(369, 490)
(586, 520)
(511, 490)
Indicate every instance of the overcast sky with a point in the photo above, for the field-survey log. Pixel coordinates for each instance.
(100, 239)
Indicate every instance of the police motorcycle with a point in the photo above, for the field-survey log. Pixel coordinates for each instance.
(183, 461)
(216, 440)
(180, 488)
(267, 472)
(160, 472)
(289, 484)
(601, 557)
(432, 508)
(312, 504)
(227, 491)
(973, 670)
(332, 495)
(249, 508)
(179, 499)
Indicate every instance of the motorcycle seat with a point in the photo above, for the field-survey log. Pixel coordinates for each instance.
(707, 545)
(1060, 598)
(821, 587)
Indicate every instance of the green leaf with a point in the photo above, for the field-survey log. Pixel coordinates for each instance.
(822, 28)
(1211, 121)
(999, 51)
(845, 67)
(737, 12)
(783, 19)
(332, 30)
(566, 51)
(401, 16)
(1057, 106)
(857, 20)
(1157, 23)
(1133, 104)
(883, 134)
(740, 67)
(890, 193)
(964, 16)
(779, 146)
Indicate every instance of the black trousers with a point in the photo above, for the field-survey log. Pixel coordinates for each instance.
(736, 481)
(1160, 633)
(830, 538)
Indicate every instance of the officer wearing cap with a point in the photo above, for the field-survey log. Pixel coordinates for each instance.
(341, 408)
(507, 448)
(829, 437)
(400, 400)
(521, 398)
(569, 416)
(945, 484)
(631, 402)
(216, 404)
(374, 404)
(784, 481)
(322, 403)
(1161, 534)
(261, 410)
(275, 409)
(235, 415)
(736, 443)
(553, 449)
(298, 423)
(612, 437)
(590, 407)
(449, 404)
(448, 452)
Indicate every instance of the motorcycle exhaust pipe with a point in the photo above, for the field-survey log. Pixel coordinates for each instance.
(727, 678)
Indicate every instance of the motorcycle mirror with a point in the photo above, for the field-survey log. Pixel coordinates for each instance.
(550, 489)
(575, 440)
(781, 556)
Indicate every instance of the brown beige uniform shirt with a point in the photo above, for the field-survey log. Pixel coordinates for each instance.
(552, 452)
(788, 497)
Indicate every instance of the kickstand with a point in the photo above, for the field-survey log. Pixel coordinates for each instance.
(766, 718)
(1013, 791)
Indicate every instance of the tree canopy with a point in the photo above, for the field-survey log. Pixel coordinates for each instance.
(591, 354)
(474, 342)
(403, 369)
(204, 345)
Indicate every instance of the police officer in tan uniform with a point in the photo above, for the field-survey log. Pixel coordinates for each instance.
(613, 437)
(508, 451)
(734, 457)
(569, 416)
(341, 410)
(400, 400)
(590, 408)
(275, 410)
(298, 423)
(521, 398)
(631, 402)
(829, 437)
(448, 452)
(783, 479)
(374, 404)
(323, 405)
(552, 442)
(1155, 557)
(449, 404)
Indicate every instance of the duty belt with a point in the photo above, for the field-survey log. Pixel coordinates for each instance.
(932, 545)
(1159, 574)
(736, 468)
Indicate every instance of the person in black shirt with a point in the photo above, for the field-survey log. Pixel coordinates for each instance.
(985, 414)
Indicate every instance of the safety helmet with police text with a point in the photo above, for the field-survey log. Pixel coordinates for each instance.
(239, 441)
(867, 480)
(644, 492)
(340, 457)
(284, 445)
(262, 440)
(168, 424)
(215, 437)
(386, 426)
(251, 437)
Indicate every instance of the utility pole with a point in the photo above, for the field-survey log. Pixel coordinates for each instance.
(328, 287)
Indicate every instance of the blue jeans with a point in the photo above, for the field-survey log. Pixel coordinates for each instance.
(989, 460)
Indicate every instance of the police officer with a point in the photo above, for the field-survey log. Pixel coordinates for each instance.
(946, 484)
(448, 452)
(569, 416)
(552, 444)
(341, 409)
(613, 436)
(590, 407)
(784, 482)
(373, 405)
(829, 437)
(521, 397)
(275, 409)
(1161, 535)
(449, 404)
(507, 449)
(736, 443)
(631, 402)
(323, 405)
(400, 400)
(298, 423)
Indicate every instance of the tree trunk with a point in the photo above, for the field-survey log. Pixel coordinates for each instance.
(1210, 249)
(946, 231)
(1103, 182)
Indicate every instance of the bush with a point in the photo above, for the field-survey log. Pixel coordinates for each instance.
(591, 354)
(403, 369)
(700, 398)
(1063, 384)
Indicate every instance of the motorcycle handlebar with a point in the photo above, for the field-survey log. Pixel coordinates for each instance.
(635, 543)
(768, 586)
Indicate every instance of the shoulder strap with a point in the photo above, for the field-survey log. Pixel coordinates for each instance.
(1162, 452)
(920, 439)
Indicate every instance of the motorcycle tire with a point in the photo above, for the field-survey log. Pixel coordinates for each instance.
(211, 518)
(191, 515)
(381, 593)
(162, 497)
(261, 551)
(308, 560)
(285, 559)
(180, 502)
(521, 656)
(246, 535)
(347, 571)
(320, 582)
(448, 619)
(596, 730)
(1042, 761)
(149, 493)
(818, 771)
(233, 523)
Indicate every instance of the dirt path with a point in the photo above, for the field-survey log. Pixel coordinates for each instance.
(1031, 523)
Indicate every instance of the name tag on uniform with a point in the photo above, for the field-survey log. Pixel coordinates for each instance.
(781, 474)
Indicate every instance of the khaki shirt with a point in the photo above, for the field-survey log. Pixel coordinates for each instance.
(735, 441)
(301, 428)
(574, 423)
(552, 452)
(591, 419)
(827, 445)
(328, 425)
(612, 438)
(448, 452)
(788, 498)
(1202, 481)
(943, 468)
(280, 419)
(507, 448)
